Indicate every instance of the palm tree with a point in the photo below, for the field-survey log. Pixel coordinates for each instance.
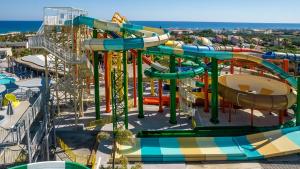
(120, 136)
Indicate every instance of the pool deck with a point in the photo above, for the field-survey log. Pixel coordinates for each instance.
(10, 120)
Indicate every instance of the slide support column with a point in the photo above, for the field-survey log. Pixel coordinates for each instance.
(206, 100)
(96, 79)
(172, 92)
(134, 79)
(106, 79)
(160, 96)
(214, 97)
(125, 84)
(140, 84)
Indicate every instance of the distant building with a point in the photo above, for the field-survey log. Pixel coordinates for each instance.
(236, 39)
(220, 38)
(263, 31)
(4, 52)
(14, 44)
(257, 41)
(182, 31)
(202, 41)
(278, 42)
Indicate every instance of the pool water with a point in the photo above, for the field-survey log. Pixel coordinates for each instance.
(6, 80)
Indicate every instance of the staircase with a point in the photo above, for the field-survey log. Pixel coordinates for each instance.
(40, 41)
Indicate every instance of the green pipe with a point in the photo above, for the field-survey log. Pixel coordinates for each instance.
(96, 79)
(140, 84)
(172, 92)
(214, 86)
(125, 85)
(176, 75)
(298, 103)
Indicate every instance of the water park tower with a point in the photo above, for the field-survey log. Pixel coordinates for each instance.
(73, 71)
(76, 42)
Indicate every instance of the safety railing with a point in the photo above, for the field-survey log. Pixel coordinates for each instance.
(101, 122)
(10, 156)
(40, 41)
(15, 134)
(83, 159)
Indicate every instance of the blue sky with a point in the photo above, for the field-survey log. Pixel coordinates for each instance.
(161, 10)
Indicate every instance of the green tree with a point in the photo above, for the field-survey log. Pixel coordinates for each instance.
(120, 136)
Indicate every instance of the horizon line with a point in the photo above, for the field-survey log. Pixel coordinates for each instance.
(16, 20)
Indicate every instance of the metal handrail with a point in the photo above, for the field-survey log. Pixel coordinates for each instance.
(15, 134)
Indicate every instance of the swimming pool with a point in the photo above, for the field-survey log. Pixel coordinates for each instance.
(4, 79)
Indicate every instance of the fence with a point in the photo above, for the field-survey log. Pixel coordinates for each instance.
(15, 135)
(83, 159)
(10, 156)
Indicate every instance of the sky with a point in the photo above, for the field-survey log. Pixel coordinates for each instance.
(271, 11)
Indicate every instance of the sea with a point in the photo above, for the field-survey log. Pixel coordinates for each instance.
(33, 26)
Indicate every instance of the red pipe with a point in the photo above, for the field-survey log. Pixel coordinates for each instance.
(252, 120)
(231, 66)
(281, 113)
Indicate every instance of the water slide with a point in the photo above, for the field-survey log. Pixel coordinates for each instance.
(255, 146)
(195, 52)
(265, 94)
(177, 44)
(280, 55)
(155, 100)
(51, 165)
(147, 60)
(10, 98)
(148, 36)
(181, 149)
(152, 38)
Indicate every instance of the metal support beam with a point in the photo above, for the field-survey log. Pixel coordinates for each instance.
(125, 85)
(172, 92)
(56, 87)
(96, 79)
(140, 84)
(46, 110)
(214, 93)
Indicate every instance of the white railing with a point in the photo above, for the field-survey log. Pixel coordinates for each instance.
(41, 30)
(15, 134)
(40, 41)
(9, 156)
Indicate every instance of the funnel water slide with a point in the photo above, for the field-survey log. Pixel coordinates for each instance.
(257, 92)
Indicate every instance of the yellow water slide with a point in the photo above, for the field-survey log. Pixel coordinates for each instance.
(11, 98)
